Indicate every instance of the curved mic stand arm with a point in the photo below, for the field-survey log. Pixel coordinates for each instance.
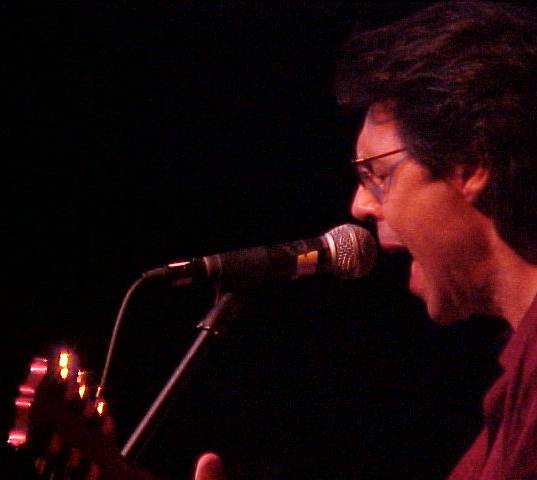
(212, 324)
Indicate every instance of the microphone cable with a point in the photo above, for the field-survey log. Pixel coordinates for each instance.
(117, 323)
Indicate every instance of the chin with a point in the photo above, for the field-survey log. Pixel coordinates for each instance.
(445, 313)
(442, 301)
(445, 320)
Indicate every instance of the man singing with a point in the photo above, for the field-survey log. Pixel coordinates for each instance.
(447, 162)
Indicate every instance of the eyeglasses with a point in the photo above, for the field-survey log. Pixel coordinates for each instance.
(376, 178)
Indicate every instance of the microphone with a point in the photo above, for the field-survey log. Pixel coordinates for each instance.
(346, 251)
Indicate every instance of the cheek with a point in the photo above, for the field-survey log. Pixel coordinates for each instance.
(410, 226)
(421, 218)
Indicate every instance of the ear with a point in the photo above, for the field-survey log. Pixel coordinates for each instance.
(471, 181)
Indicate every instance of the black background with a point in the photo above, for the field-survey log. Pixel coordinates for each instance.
(143, 133)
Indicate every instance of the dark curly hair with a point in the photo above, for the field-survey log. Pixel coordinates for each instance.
(460, 79)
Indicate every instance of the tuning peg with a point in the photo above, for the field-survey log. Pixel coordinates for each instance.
(18, 435)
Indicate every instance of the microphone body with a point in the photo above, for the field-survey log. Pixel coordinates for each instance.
(347, 251)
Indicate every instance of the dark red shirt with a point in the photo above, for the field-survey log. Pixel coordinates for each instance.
(506, 448)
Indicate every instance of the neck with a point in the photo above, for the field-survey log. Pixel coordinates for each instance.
(515, 284)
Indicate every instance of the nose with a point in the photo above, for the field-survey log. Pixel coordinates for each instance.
(365, 206)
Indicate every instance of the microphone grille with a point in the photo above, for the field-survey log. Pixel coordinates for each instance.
(355, 251)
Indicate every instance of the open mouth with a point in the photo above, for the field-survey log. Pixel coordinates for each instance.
(394, 247)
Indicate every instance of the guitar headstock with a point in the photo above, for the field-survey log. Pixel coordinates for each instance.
(60, 419)
(62, 426)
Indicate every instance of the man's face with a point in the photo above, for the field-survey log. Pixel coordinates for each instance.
(430, 218)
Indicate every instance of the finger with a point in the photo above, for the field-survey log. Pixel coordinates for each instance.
(209, 467)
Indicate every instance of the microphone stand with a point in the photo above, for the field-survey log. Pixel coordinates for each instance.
(210, 325)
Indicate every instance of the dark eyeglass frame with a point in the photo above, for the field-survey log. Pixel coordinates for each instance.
(377, 185)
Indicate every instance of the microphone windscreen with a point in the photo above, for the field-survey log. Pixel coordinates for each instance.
(354, 251)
